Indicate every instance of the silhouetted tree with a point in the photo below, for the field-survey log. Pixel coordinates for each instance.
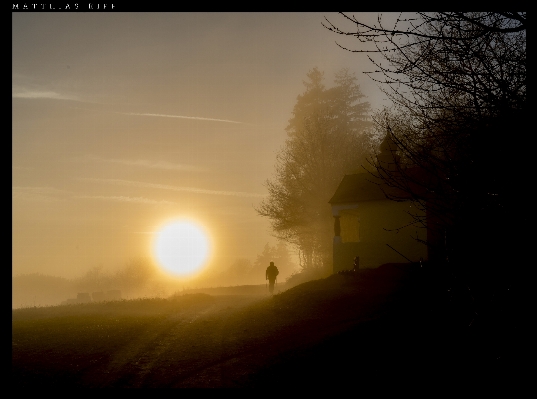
(457, 81)
(95, 279)
(135, 276)
(327, 138)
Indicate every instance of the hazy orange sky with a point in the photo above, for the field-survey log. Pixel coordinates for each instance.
(122, 121)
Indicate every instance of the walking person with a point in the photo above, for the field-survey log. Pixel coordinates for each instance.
(270, 275)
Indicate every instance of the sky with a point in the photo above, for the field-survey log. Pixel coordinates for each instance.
(124, 121)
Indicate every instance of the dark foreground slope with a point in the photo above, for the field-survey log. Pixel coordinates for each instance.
(381, 328)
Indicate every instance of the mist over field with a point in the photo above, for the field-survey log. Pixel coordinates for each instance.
(142, 278)
(122, 122)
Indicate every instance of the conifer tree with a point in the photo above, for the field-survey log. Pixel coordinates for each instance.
(328, 137)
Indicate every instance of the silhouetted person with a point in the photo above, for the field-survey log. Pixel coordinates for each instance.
(270, 275)
(356, 264)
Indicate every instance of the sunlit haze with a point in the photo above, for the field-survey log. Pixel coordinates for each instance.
(181, 247)
(123, 120)
(248, 199)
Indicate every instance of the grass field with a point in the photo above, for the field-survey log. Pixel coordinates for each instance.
(343, 330)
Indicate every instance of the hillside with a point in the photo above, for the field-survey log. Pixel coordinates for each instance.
(342, 330)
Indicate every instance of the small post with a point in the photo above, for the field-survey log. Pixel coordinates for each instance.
(356, 263)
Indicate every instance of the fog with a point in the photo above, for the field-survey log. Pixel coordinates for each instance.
(227, 200)
(123, 121)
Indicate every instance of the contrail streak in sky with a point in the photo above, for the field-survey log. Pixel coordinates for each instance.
(173, 188)
(38, 193)
(181, 117)
(147, 163)
(40, 94)
(22, 92)
(140, 200)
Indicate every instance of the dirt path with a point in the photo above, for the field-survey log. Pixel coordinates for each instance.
(237, 337)
(181, 346)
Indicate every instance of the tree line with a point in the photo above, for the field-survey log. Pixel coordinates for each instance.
(329, 135)
(457, 85)
(457, 81)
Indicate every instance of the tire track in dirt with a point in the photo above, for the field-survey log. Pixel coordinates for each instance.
(168, 340)
(267, 337)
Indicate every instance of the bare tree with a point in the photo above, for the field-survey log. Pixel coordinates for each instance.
(457, 82)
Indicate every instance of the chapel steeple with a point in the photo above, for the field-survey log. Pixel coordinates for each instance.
(388, 158)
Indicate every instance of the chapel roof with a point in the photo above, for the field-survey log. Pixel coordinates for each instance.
(367, 187)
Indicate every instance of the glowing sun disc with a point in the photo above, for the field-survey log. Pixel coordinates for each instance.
(181, 247)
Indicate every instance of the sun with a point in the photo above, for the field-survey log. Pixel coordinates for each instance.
(181, 247)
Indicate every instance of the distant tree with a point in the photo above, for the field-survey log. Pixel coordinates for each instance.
(95, 279)
(328, 136)
(135, 276)
(280, 255)
(238, 273)
(284, 260)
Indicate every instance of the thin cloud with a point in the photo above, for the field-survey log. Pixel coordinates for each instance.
(148, 164)
(43, 194)
(139, 200)
(173, 188)
(181, 117)
(20, 92)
